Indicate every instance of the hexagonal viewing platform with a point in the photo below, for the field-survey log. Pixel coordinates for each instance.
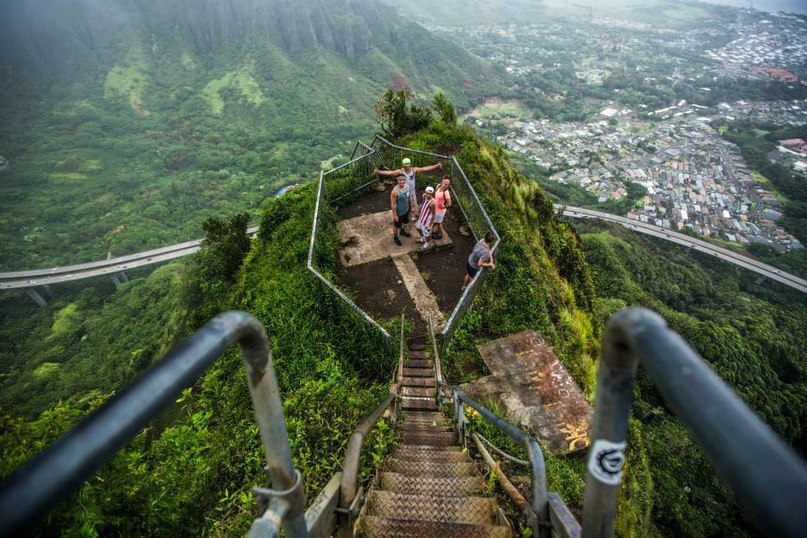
(380, 278)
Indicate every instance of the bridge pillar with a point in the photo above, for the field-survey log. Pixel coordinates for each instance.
(32, 293)
(119, 278)
(760, 279)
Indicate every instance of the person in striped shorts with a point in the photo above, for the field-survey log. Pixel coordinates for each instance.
(426, 219)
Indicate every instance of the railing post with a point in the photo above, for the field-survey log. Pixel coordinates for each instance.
(609, 433)
(268, 407)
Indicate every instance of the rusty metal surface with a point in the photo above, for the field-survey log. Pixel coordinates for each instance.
(373, 526)
(443, 485)
(475, 510)
(535, 390)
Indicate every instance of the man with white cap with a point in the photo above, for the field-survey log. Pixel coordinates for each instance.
(409, 171)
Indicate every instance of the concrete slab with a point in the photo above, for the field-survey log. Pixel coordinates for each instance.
(425, 302)
(535, 391)
(368, 238)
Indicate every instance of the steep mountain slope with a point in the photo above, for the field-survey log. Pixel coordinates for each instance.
(128, 123)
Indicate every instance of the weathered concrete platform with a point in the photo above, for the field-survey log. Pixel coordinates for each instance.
(367, 238)
(535, 391)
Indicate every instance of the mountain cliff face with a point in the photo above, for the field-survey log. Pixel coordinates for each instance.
(57, 36)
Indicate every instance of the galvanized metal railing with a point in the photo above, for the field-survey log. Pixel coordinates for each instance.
(339, 185)
(37, 487)
(350, 494)
(768, 478)
(312, 263)
(538, 511)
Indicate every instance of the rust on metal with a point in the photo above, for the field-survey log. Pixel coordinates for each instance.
(535, 390)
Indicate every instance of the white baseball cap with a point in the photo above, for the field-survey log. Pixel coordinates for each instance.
(430, 190)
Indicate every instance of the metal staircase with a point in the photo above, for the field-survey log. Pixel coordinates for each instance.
(431, 486)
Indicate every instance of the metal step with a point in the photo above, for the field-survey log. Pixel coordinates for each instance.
(420, 363)
(413, 402)
(419, 391)
(418, 353)
(430, 455)
(429, 438)
(444, 508)
(417, 346)
(432, 448)
(443, 485)
(418, 382)
(436, 468)
(418, 372)
(377, 527)
(423, 416)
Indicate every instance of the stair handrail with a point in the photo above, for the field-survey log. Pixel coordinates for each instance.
(50, 477)
(349, 484)
(538, 514)
(768, 477)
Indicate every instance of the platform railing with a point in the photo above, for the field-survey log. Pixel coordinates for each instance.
(43, 483)
(465, 200)
(768, 478)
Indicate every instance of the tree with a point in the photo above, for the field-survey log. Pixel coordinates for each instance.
(398, 116)
(446, 110)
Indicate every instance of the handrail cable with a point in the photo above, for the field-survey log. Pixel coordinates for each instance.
(41, 484)
(768, 478)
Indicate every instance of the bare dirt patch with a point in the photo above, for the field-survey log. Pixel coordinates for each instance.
(442, 269)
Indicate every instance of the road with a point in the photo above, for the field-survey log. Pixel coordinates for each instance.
(768, 271)
(55, 275)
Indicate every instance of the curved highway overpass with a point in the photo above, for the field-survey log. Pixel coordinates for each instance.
(768, 271)
(55, 275)
(112, 266)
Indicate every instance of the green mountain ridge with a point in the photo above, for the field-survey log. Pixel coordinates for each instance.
(149, 118)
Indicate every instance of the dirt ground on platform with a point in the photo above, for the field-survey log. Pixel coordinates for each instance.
(442, 269)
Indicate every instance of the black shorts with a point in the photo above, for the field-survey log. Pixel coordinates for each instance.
(402, 219)
(471, 271)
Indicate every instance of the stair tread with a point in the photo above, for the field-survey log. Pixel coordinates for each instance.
(429, 468)
(419, 363)
(431, 507)
(428, 392)
(431, 455)
(418, 353)
(375, 526)
(418, 372)
(440, 485)
(417, 381)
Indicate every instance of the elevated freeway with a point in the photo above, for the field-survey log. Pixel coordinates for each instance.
(763, 269)
(112, 266)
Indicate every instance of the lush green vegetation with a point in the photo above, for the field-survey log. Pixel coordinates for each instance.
(192, 471)
(128, 126)
(750, 334)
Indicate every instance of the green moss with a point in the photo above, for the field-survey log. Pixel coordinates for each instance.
(46, 369)
(67, 320)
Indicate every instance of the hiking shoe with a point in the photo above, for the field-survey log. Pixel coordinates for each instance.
(427, 246)
(437, 235)
(405, 233)
(420, 240)
(397, 240)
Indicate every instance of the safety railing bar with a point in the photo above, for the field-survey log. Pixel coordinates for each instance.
(350, 471)
(399, 370)
(360, 187)
(402, 148)
(350, 303)
(502, 453)
(768, 478)
(476, 198)
(438, 365)
(41, 484)
(351, 162)
(320, 195)
(537, 464)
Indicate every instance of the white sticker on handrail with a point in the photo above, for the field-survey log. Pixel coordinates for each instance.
(605, 461)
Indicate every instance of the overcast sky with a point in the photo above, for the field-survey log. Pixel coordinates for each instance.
(792, 6)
